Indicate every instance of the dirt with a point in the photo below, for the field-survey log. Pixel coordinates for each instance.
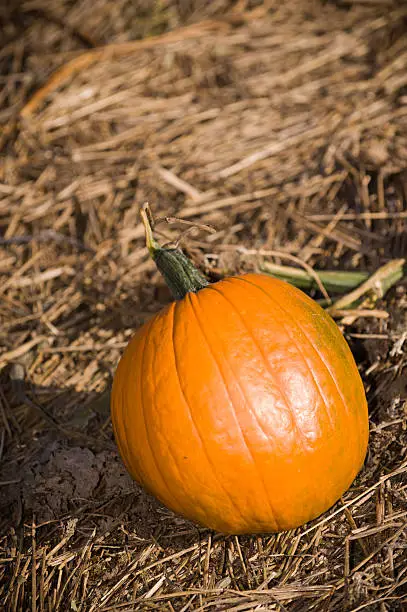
(61, 481)
(62, 478)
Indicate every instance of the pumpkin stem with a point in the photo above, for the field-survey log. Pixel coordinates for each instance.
(147, 220)
(178, 271)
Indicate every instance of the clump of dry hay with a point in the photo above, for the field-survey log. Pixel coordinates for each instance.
(284, 126)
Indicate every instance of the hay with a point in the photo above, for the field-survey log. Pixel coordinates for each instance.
(282, 125)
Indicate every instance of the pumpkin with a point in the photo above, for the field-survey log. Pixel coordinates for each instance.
(239, 405)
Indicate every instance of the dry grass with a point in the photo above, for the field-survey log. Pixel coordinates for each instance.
(282, 125)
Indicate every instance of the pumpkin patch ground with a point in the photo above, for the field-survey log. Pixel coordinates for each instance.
(268, 138)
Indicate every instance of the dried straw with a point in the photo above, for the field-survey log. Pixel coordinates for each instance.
(281, 124)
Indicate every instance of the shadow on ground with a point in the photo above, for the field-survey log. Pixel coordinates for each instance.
(71, 473)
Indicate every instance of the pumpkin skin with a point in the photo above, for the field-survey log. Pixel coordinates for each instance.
(241, 408)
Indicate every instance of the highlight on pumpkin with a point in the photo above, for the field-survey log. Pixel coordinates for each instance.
(239, 405)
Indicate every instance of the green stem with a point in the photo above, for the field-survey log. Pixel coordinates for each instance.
(356, 285)
(178, 271)
(334, 281)
(376, 286)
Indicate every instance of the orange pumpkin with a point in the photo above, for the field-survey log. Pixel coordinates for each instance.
(240, 405)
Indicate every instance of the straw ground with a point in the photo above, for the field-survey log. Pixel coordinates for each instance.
(284, 126)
